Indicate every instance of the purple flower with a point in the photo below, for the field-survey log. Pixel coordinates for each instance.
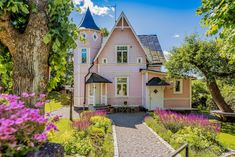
(51, 127)
(25, 95)
(39, 104)
(42, 96)
(40, 137)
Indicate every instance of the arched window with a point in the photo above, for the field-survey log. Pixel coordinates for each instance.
(95, 36)
(84, 56)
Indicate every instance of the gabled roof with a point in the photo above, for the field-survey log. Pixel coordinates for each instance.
(95, 78)
(156, 81)
(153, 48)
(88, 21)
(121, 17)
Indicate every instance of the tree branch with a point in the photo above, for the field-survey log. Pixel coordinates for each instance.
(8, 35)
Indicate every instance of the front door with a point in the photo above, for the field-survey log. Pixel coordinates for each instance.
(156, 97)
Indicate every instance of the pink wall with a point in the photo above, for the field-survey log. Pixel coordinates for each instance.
(130, 70)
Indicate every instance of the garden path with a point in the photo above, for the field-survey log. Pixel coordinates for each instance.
(134, 139)
(64, 112)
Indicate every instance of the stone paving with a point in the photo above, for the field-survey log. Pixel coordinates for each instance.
(134, 139)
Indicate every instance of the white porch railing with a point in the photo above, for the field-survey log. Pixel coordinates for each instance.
(104, 99)
(91, 100)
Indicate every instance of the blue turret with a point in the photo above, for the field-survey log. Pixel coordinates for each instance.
(88, 21)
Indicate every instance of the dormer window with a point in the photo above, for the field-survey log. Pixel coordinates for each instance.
(122, 54)
(95, 36)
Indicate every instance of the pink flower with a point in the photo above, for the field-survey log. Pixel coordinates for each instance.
(42, 96)
(39, 104)
(51, 127)
(25, 95)
(40, 137)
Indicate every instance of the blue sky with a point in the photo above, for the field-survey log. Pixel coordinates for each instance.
(171, 20)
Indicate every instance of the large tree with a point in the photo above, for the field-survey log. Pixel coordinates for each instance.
(38, 35)
(202, 58)
(219, 16)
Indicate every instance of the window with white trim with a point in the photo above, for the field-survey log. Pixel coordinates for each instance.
(139, 60)
(122, 54)
(122, 87)
(178, 86)
(84, 56)
(95, 36)
(104, 60)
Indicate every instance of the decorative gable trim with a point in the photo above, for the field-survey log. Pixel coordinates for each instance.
(121, 17)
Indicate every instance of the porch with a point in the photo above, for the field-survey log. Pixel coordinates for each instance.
(97, 94)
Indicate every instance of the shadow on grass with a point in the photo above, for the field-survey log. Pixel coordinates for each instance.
(227, 127)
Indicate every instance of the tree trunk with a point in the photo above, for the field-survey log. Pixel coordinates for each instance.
(217, 97)
(28, 51)
(30, 61)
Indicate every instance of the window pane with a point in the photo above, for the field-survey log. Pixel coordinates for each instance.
(177, 86)
(84, 56)
(124, 88)
(119, 89)
(122, 80)
(125, 57)
(119, 57)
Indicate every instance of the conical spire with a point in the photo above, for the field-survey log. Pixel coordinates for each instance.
(88, 21)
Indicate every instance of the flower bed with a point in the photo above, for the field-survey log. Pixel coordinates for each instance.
(23, 129)
(90, 135)
(197, 131)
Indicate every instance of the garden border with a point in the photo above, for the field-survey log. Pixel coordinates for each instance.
(161, 139)
(114, 140)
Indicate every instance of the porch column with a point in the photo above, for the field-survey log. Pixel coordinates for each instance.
(106, 94)
(94, 94)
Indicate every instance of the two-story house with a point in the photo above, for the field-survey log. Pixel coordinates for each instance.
(124, 68)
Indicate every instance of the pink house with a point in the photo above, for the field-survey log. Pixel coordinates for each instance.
(124, 68)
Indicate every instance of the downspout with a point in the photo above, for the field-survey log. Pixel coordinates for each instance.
(89, 71)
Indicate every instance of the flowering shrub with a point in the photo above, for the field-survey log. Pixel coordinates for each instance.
(89, 135)
(22, 129)
(175, 121)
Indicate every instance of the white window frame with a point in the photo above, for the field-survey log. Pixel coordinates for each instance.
(181, 86)
(127, 54)
(94, 35)
(103, 59)
(127, 86)
(141, 60)
(87, 54)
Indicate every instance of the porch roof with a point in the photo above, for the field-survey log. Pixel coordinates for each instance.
(156, 81)
(95, 78)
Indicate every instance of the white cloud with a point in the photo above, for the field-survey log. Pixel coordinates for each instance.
(176, 36)
(95, 9)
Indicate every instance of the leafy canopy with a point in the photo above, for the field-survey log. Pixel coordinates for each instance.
(200, 58)
(220, 15)
(61, 35)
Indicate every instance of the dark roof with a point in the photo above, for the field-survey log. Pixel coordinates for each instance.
(156, 81)
(95, 78)
(151, 43)
(88, 21)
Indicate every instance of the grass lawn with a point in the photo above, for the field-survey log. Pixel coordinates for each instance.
(52, 106)
(227, 135)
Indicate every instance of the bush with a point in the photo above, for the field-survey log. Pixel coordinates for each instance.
(88, 114)
(63, 98)
(100, 122)
(23, 129)
(199, 139)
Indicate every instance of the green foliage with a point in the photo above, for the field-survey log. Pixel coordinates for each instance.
(198, 139)
(6, 66)
(105, 32)
(63, 98)
(219, 15)
(100, 122)
(201, 142)
(52, 106)
(61, 35)
(228, 91)
(200, 58)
